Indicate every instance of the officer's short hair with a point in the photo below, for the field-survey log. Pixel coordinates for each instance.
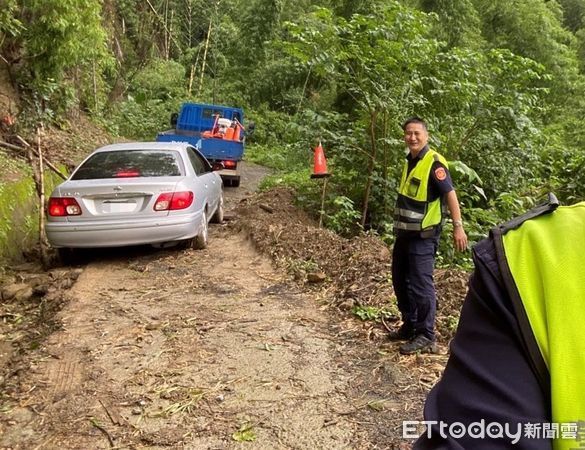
(414, 119)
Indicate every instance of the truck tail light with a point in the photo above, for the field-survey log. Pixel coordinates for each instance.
(169, 201)
(230, 164)
(63, 206)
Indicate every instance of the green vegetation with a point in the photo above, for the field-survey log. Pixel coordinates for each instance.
(373, 313)
(245, 433)
(500, 83)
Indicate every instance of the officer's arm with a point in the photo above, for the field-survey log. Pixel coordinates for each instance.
(459, 236)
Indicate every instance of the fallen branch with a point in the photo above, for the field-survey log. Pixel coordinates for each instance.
(385, 325)
(26, 144)
(266, 208)
(11, 146)
(6, 150)
(112, 414)
(103, 430)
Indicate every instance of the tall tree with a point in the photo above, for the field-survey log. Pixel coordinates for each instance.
(260, 19)
(529, 28)
(64, 42)
(573, 14)
(458, 23)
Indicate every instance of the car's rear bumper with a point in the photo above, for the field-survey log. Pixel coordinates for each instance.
(116, 234)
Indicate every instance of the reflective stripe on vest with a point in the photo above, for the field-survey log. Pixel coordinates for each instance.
(408, 213)
(413, 211)
(545, 258)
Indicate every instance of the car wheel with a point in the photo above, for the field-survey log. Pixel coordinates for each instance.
(200, 241)
(218, 215)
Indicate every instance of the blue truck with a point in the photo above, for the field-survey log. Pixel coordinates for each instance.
(216, 131)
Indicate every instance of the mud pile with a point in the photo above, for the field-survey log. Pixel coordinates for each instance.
(355, 272)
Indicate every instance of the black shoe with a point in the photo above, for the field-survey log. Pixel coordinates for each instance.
(420, 344)
(402, 334)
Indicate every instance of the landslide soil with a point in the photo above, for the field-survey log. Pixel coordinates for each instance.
(225, 348)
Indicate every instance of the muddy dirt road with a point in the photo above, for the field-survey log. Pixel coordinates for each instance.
(211, 349)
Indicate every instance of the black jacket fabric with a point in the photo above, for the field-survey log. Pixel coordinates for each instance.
(488, 376)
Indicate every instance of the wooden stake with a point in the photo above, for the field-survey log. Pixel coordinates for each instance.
(321, 212)
(39, 181)
(42, 235)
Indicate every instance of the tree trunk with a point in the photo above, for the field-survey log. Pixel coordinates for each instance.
(204, 59)
(95, 88)
(371, 166)
(164, 24)
(170, 33)
(191, 76)
(190, 23)
(385, 159)
(167, 34)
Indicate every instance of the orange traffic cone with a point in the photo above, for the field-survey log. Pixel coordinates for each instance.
(320, 164)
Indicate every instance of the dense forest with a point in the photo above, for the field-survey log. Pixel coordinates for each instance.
(500, 82)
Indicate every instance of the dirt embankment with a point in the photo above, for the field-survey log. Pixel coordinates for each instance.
(220, 349)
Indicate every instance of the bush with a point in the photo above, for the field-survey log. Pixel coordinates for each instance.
(154, 94)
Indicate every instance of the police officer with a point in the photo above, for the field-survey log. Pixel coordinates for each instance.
(425, 189)
(518, 357)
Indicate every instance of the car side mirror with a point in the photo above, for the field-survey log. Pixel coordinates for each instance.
(217, 166)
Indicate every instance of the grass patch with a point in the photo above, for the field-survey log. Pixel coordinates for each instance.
(373, 313)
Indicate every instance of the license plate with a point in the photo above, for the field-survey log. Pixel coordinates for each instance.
(118, 207)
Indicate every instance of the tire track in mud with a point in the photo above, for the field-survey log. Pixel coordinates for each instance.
(206, 361)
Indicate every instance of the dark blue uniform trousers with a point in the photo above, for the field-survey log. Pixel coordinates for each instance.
(413, 262)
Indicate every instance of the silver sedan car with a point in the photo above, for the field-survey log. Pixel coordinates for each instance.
(136, 193)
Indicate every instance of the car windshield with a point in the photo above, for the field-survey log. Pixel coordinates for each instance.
(130, 163)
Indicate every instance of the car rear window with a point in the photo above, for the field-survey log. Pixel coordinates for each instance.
(130, 163)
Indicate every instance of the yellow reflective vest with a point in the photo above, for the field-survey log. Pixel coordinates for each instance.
(413, 211)
(542, 260)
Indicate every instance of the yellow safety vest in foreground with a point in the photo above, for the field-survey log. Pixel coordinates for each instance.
(546, 259)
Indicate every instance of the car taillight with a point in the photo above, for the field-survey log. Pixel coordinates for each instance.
(230, 164)
(174, 200)
(63, 206)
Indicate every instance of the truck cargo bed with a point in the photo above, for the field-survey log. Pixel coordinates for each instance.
(212, 149)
